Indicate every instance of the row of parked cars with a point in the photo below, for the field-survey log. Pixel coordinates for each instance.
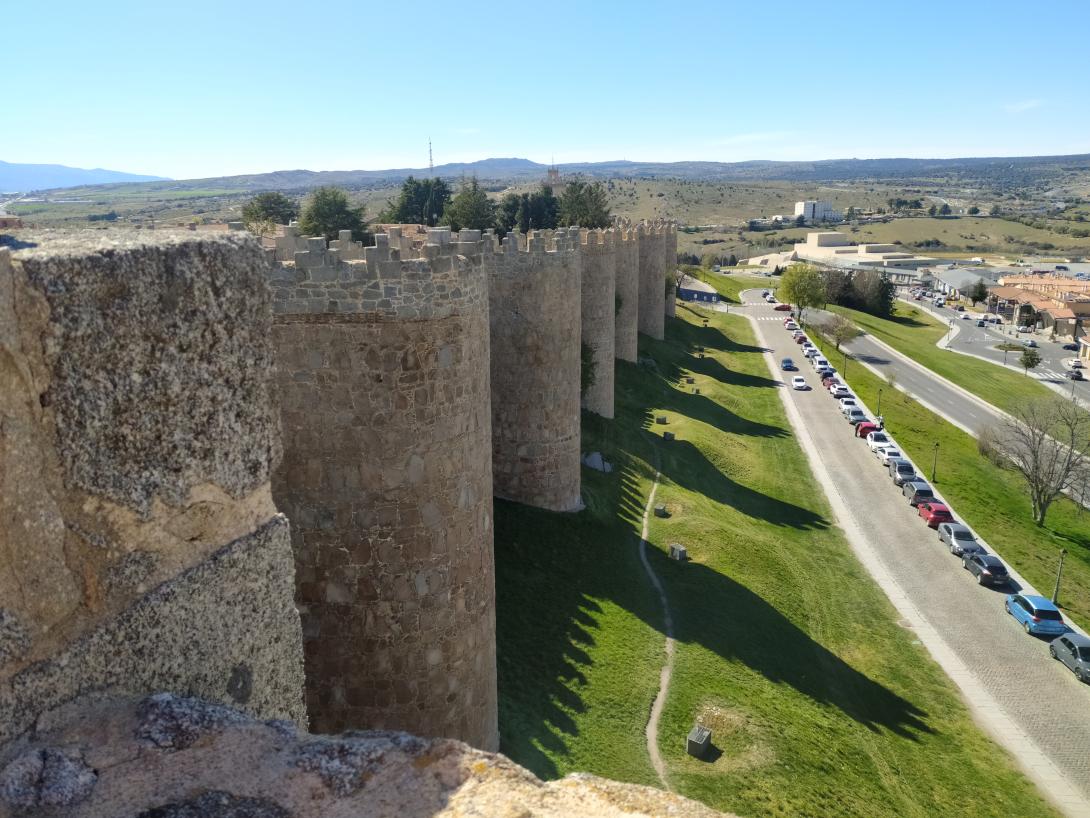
(1036, 614)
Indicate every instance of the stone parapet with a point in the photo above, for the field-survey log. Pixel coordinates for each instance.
(137, 437)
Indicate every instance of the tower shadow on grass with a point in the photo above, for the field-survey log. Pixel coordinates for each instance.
(557, 572)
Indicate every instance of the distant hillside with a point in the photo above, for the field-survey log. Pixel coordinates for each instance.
(987, 170)
(20, 178)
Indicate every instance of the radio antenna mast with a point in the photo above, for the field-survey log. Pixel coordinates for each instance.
(431, 165)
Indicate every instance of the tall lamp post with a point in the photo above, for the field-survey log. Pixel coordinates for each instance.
(1059, 573)
(878, 411)
(935, 461)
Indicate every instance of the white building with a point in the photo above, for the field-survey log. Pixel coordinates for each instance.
(817, 211)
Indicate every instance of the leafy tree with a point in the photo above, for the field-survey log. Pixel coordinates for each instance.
(529, 211)
(732, 260)
(931, 211)
(471, 209)
(838, 287)
(585, 205)
(269, 207)
(874, 292)
(804, 286)
(978, 292)
(945, 210)
(421, 201)
(850, 214)
(994, 210)
(974, 210)
(1030, 359)
(800, 221)
(841, 330)
(328, 211)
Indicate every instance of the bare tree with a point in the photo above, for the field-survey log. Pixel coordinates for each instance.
(841, 330)
(1048, 442)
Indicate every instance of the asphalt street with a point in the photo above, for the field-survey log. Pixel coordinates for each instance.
(966, 336)
(1030, 694)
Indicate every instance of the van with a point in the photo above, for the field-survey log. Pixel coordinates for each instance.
(917, 492)
(819, 361)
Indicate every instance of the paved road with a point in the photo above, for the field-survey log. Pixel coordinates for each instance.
(1019, 690)
(982, 342)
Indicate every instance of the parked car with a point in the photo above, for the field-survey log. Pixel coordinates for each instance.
(820, 360)
(855, 415)
(1029, 342)
(1035, 613)
(887, 453)
(878, 438)
(1073, 649)
(959, 539)
(765, 293)
(934, 513)
(864, 429)
(1074, 374)
(809, 350)
(839, 390)
(798, 382)
(917, 492)
(901, 471)
(825, 371)
(846, 404)
(987, 569)
(787, 365)
(1070, 347)
(980, 322)
(1023, 328)
(780, 307)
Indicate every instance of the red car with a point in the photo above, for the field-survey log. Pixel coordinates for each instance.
(864, 429)
(800, 339)
(829, 381)
(782, 307)
(935, 513)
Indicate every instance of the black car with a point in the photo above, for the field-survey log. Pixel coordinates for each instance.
(1070, 347)
(1074, 374)
(987, 569)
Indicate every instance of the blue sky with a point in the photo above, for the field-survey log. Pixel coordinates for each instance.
(203, 88)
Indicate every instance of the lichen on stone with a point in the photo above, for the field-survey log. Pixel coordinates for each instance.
(49, 777)
(345, 762)
(175, 722)
(217, 804)
(14, 638)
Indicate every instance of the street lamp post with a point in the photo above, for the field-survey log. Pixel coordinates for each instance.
(935, 461)
(1059, 573)
(845, 364)
(878, 411)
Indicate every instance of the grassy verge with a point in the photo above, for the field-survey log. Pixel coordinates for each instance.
(990, 499)
(915, 333)
(820, 703)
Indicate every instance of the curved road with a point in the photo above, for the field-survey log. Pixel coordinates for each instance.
(1031, 704)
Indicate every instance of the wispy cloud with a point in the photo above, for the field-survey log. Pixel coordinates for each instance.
(1023, 105)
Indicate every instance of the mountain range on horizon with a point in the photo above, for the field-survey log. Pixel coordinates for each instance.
(23, 178)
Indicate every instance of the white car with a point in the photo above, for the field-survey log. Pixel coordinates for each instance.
(809, 350)
(846, 404)
(798, 382)
(791, 326)
(965, 316)
(839, 390)
(876, 439)
(887, 453)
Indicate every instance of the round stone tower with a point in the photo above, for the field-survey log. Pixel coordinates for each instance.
(535, 311)
(387, 480)
(599, 315)
(627, 287)
(669, 261)
(652, 306)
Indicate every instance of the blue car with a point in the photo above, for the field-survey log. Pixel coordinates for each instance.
(1036, 613)
(788, 365)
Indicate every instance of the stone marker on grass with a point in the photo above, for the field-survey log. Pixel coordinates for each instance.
(698, 741)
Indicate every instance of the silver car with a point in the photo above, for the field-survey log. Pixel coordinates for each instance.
(1073, 649)
(959, 539)
(917, 492)
(901, 471)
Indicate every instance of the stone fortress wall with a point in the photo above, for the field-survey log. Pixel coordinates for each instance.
(599, 253)
(652, 299)
(536, 319)
(142, 549)
(627, 289)
(143, 552)
(387, 477)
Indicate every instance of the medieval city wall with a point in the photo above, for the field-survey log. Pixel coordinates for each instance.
(669, 261)
(599, 269)
(627, 286)
(652, 300)
(384, 398)
(535, 312)
(142, 548)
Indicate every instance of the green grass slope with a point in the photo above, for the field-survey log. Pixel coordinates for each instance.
(820, 703)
